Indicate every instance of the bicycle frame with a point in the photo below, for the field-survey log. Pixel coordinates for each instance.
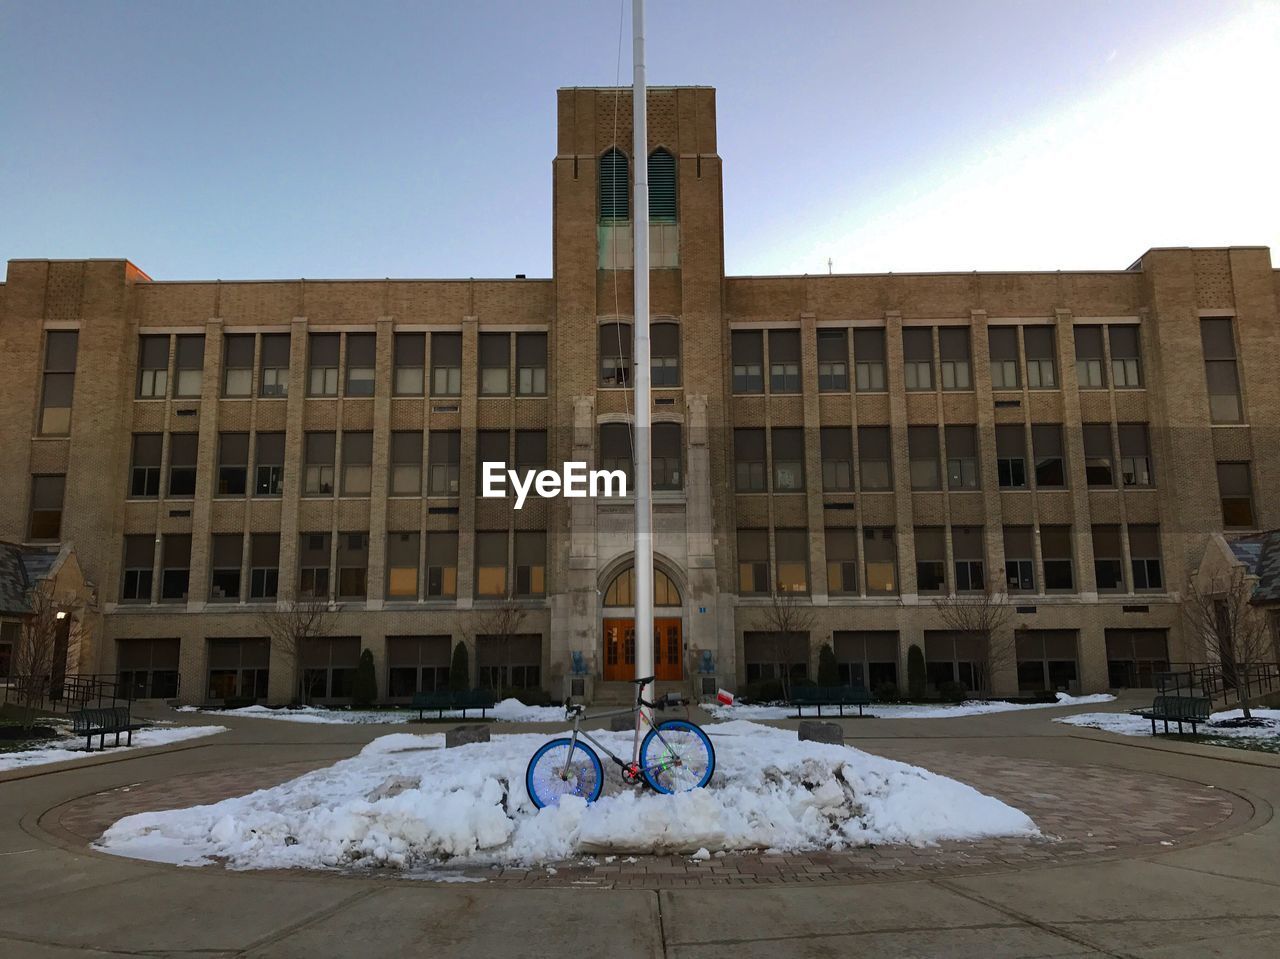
(640, 710)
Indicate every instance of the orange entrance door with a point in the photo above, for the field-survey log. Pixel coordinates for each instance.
(620, 649)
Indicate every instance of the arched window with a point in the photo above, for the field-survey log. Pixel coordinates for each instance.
(615, 187)
(622, 590)
(662, 187)
(615, 354)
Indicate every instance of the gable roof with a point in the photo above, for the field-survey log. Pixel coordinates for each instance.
(1260, 555)
(20, 567)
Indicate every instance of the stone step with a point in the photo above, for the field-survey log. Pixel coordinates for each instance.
(624, 694)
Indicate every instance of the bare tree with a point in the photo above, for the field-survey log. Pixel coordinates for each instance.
(1227, 627)
(501, 624)
(788, 622)
(295, 623)
(33, 664)
(985, 617)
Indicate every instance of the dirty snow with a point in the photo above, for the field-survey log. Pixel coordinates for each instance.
(974, 707)
(403, 804)
(507, 711)
(1128, 725)
(60, 750)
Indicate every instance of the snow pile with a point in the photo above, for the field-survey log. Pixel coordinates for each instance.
(60, 750)
(507, 711)
(1129, 725)
(403, 804)
(974, 707)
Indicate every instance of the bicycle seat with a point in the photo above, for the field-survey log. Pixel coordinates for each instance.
(643, 682)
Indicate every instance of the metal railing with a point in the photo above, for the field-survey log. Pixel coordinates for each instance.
(1221, 682)
(77, 691)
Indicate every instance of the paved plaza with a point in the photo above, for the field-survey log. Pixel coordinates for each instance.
(1151, 848)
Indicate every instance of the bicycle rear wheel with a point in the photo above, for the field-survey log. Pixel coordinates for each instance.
(561, 768)
(677, 757)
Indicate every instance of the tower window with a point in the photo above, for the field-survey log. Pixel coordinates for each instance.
(662, 187)
(615, 187)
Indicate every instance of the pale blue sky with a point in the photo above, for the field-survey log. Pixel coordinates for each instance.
(344, 139)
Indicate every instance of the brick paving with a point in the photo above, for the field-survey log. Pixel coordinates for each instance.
(1085, 812)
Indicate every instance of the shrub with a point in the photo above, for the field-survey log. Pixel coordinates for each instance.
(460, 669)
(365, 688)
(828, 669)
(953, 692)
(761, 691)
(886, 693)
(915, 672)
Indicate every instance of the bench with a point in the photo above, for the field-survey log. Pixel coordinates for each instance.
(1176, 709)
(462, 699)
(101, 721)
(839, 696)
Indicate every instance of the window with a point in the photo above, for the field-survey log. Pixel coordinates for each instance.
(1235, 486)
(1002, 346)
(917, 357)
(406, 463)
(531, 451)
(953, 347)
(443, 452)
(662, 187)
(442, 565)
(784, 361)
(353, 565)
(238, 668)
(491, 447)
(237, 364)
(621, 591)
(615, 448)
(881, 557)
(268, 462)
(313, 565)
(1055, 544)
(868, 360)
(139, 556)
(495, 364)
(875, 469)
(1135, 455)
(970, 559)
(955, 658)
(962, 457)
(183, 449)
(1221, 373)
(144, 473)
(842, 561)
(409, 352)
(491, 565)
(1108, 559)
(531, 364)
(1011, 457)
(664, 354)
(753, 561)
(791, 547)
(833, 361)
(509, 662)
(749, 460)
(318, 454)
(1019, 560)
(1099, 465)
(264, 566)
(1126, 357)
(748, 362)
(147, 668)
(60, 348)
(667, 456)
(1144, 552)
(175, 568)
(329, 666)
(1038, 341)
(45, 521)
(866, 658)
(772, 655)
(1135, 656)
(615, 354)
(615, 187)
(357, 463)
(233, 463)
(189, 366)
(417, 664)
(446, 364)
(275, 365)
(1046, 444)
(931, 559)
(837, 459)
(1089, 358)
(1046, 659)
(322, 370)
(788, 459)
(402, 566)
(362, 362)
(531, 562)
(153, 367)
(224, 563)
(922, 445)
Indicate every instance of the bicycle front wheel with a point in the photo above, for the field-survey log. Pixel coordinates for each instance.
(562, 768)
(677, 757)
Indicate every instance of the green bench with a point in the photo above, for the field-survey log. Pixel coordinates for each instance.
(463, 700)
(102, 721)
(1176, 709)
(819, 696)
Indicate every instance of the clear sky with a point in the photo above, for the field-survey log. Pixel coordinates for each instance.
(365, 139)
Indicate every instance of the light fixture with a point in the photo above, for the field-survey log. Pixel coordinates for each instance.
(61, 614)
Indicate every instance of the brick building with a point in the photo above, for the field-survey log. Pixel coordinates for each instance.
(860, 444)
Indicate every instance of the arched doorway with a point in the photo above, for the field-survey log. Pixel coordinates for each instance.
(620, 627)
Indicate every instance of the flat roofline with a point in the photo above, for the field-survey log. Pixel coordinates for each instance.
(834, 276)
(386, 279)
(82, 259)
(628, 87)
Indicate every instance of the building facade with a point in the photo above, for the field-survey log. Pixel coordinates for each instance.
(832, 452)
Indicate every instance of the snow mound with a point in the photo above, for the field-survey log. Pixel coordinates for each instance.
(404, 804)
(507, 711)
(1127, 724)
(973, 707)
(60, 750)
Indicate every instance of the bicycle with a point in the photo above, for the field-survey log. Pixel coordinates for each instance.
(674, 756)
